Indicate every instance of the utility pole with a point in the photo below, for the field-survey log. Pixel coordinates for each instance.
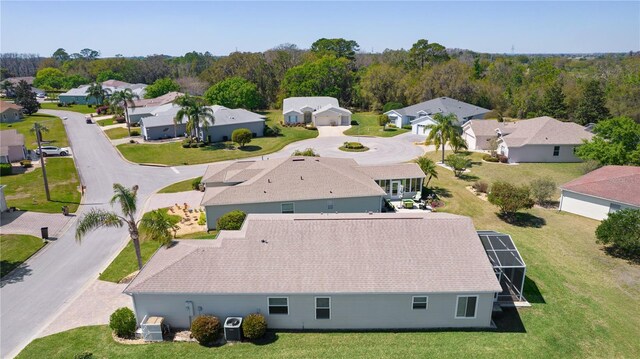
(36, 127)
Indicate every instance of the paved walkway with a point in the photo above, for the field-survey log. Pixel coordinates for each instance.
(93, 307)
(20, 222)
(163, 200)
(332, 131)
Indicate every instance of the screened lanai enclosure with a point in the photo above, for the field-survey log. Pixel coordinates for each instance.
(507, 264)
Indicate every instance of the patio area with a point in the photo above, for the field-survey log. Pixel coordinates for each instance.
(189, 219)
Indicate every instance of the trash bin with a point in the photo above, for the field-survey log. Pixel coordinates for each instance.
(44, 231)
(233, 329)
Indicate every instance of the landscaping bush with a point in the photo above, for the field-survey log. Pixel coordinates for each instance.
(195, 184)
(490, 158)
(5, 169)
(254, 326)
(481, 186)
(406, 127)
(542, 189)
(621, 230)
(392, 125)
(194, 145)
(354, 123)
(59, 104)
(503, 159)
(241, 136)
(120, 119)
(206, 329)
(83, 355)
(383, 120)
(309, 152)
(510, 198)
(89, 105)
(186, 143)
(135, 133)
(26, 163)
(589, 165)
(202, 219)
(459, 163)
(201, 144)
(273, 131)
(391, 106)
(123, 322)
(353, 145)
(231, 221)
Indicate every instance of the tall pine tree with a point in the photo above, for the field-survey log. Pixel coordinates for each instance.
(591, 107)
(553, 103)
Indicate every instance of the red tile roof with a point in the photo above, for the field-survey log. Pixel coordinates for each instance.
(616, 183)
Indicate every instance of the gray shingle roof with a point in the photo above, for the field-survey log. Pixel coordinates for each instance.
(443, 105)
(488, 127)
(164, 115)
(316, 103)
(289, 179)
(330, 253)
(546, 131)
(111, 86)
(398, 171)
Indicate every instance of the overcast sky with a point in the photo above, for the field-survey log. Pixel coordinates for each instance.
(136, 28)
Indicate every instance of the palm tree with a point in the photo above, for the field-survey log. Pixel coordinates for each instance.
(158, 225)
(96, 91)
(457, 143)
(127, 198)
(428, 167)
(197, 114)
(125, 97)
(443, 130)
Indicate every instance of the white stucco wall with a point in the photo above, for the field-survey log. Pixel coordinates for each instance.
(470, 138)
(587, 206)
(540, 153)
(348, 311)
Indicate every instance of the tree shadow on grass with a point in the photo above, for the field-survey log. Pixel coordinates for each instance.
(468, 177)
(532, 292)
(250, 148)
(268, 338)
(439, 192)
(19, 269)
(521, 219)
(617, 252)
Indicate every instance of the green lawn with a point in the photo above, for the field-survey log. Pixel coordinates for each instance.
(74, 108)
(107, 122)
(26, 191)
(15, 249)
(121, 132)
(181, 186)
(173, 154)
(56, 136)
(368, 126)
(584, 302)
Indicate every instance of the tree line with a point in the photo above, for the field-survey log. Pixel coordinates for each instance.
(584, 90)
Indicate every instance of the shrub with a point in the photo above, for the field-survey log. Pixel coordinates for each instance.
(273, 131)
(202, 219)
(194, 145)
(391, 106)
(503, 159)
(241, 136)
(353, 145)
(26, 163)
(490, 158)
(407, 127)
(135, 133)
(186, 144)
(123, 322)
(589, 165)
(311, 127)
(542, 189)
(83, 355)
(354, 123)
(89, 105)
(480, 186)
(510, 198)
(206, 329)
(231, 221)
(309, 152)
(621, 230)
(195, 184)
(254, 326)
(459, 163)
(201, 144)
(5, 169)
(392, 125)
(383, 120)
(59, 104)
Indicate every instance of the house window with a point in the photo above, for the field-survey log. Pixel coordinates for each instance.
(323, 308)
(420, 302)
(278, 305)
(466, 307)
(556, 151)
(287, 207)
(330, 204)
(613, 207)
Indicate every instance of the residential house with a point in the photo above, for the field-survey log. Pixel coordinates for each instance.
(421, 115)
(478, 133)
(148, 107)
(78, 95)
(543, 139)
(603, 191)
(305, 185)
(326, 272)
(160, 123)
(10, 112)
(318, 110)
(3, 199)
(12, 147)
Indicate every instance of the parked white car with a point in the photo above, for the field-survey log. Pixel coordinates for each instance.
(53, 151)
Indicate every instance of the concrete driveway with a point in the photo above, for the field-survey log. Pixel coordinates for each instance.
(20, 222)
(332, 131)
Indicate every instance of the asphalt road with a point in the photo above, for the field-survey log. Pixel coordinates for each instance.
(31, 297)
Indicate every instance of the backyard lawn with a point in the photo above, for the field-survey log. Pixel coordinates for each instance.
(584, 302)
(121, 132)
(56, 136)
(174, 154)
(26, 191)
(16, 248)
(368, 126)
(107, 122)
(181, 186)
(74, 108)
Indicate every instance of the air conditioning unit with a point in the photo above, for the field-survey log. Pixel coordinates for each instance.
(233, 329)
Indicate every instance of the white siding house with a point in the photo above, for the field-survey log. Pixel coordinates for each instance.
(600, 192)
(319, 110)
(324, 272)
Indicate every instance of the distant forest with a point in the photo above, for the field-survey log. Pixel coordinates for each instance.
(518, 86)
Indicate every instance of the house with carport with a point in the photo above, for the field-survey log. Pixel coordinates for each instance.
(605, 190)
(420, 115)
(305, 185)
(361, 271)
(318, 110)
